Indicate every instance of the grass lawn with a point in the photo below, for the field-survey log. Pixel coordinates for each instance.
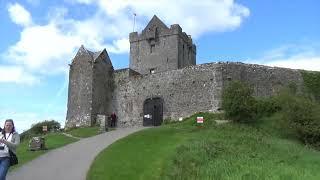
(185, 151)
(146, 147)
(84, 132)
(52, 141)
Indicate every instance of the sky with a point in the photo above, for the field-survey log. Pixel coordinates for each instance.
(38, 39)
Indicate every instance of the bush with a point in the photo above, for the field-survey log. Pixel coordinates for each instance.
(36, 129)
(267, 106)
(26, 135)
(51, 125)
(303, 116)
(238, 102)
(312, 83)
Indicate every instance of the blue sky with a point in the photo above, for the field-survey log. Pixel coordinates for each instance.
(39, 39)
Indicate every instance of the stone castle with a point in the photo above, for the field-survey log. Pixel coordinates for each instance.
(162, 81)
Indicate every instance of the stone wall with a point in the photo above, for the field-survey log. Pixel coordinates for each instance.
(265, 80)
(159, 48)
(103, 86)
(80, 90)
(192, 89)
(186, 48)
(184, 92)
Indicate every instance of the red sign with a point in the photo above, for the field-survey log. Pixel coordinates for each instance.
(199, 120)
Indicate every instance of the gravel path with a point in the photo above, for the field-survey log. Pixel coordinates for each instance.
(70, 162)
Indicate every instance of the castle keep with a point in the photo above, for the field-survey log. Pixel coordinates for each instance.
(162, 81)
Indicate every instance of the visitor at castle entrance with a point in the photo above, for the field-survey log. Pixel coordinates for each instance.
(113, 119)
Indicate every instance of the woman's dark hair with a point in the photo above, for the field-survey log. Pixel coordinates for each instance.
(13, 128)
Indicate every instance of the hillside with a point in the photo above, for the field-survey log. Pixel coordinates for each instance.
(228, 151)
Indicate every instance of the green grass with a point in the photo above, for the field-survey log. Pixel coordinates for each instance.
(137, 156)
(185, 151)
(52, 141)
(84, 132)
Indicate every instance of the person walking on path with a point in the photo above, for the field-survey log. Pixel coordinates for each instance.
(113, 119)
(9, 141)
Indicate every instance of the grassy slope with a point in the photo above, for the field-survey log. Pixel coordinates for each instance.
(183, 151)
(84, 132)
(138, 157)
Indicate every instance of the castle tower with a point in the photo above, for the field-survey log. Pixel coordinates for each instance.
(159, 48)
(90, 87)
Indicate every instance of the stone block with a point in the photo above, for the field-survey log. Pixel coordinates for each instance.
(37, 143)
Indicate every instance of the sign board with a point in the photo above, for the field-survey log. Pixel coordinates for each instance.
(148, 116)
(44, 128)
(199, 120)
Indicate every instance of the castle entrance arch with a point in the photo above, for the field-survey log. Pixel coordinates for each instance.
(153, 112)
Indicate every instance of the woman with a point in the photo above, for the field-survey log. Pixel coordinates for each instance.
(9, 139)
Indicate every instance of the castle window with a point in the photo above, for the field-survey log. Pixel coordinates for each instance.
(183, 52)
(156, 33)
(152, 71)
(152, 48)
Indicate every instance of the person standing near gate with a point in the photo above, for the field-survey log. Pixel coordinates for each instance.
(113, 119)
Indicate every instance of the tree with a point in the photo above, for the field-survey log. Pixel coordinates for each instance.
(238, 102)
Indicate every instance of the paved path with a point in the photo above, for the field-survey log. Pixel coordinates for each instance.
(70, 162)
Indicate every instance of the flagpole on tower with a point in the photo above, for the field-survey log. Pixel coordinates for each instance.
(134, 21)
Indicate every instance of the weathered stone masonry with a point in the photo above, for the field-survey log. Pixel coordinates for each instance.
(166, 72)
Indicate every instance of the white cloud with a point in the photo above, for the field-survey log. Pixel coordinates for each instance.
(195, 17)
(305, 57)
(44, 49)
(49, 47)
(19, 15)
(307, 63)
(119, 46)
(16, 74)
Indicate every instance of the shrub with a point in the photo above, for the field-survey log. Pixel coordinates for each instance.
(238, 102)
(51, 125)
(26, 135)
(312, 83)
(303, 116)
(267, 106)
(36, 129)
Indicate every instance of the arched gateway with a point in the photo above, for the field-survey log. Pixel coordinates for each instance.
(153, 112)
